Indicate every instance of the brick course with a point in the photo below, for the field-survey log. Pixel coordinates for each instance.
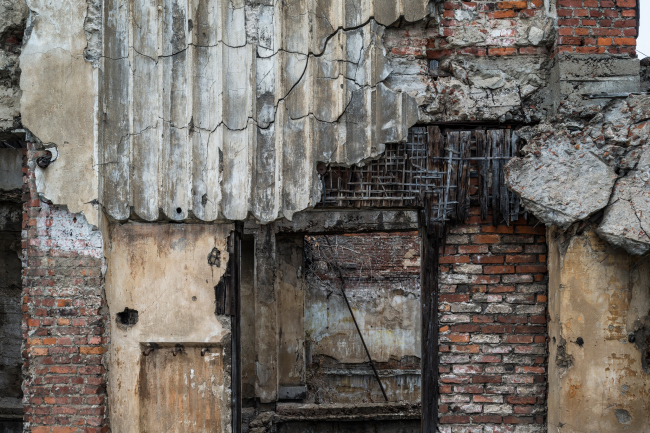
(64, 317)
(597, 26)
(584, 27)
(493, 334)
(499, 21)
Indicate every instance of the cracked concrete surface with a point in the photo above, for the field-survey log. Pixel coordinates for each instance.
(207, 110)
(229, 111)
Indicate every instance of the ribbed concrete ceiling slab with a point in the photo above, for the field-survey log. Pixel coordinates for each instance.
(206, 114)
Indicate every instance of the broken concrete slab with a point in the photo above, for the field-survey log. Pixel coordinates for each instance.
(627, 219)
(576, 166)
(559, 183)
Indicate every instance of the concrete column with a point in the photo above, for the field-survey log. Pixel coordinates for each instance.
(266, 315)
(599, 297)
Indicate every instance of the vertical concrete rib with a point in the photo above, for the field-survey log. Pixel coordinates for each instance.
(207, 151)
(115, 153)
(176, 151)
(146, 129)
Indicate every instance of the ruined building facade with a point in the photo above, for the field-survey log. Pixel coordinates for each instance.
(324, 216)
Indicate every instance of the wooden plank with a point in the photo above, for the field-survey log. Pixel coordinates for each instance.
(504, 194)
(483, 151)
(462, 208)
(429, 250)
(266, 315)
(436, 148)
(514, 197)
(236, 376)
(453, 146)
(495, 137)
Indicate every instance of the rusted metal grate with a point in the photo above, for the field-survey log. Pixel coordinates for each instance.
(433, 162)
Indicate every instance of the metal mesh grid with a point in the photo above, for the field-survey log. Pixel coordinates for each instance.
(397, 179)
(433, 162)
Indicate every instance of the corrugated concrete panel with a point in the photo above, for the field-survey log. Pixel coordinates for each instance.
(198, 121)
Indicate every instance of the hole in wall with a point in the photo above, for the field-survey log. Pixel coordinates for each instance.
(214, 258)
(128, 317)
(179, 210)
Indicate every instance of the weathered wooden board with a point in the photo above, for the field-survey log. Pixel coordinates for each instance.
(182, 393)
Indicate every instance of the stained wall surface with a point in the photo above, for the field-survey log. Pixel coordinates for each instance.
(10, 311)
(381, 279)
(162, 272)
(598, 296)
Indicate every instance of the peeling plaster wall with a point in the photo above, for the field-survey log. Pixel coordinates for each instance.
(58, 102)
(597, 294)
(162, 271)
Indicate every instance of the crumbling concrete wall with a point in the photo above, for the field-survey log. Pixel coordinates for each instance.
(598, 300)
(592, 160)
(165, 275)
(58, 104)
(476, 61)
(13, 17)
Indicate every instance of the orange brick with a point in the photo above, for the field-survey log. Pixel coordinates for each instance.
(626, 3)
(502, 14)
(604, 41)
(487, 239)
(39, 351)
(517, 4)
(470, 348)
(502, 51)
(625, 41)
(92, 350)
(458, 338)
(541, 298)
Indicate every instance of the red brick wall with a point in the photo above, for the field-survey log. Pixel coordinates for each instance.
(493, 334)
(64, 318)
(597, 26)
(584, 27)
(498, 20)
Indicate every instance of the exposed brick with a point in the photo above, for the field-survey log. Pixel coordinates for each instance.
(65, 383)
